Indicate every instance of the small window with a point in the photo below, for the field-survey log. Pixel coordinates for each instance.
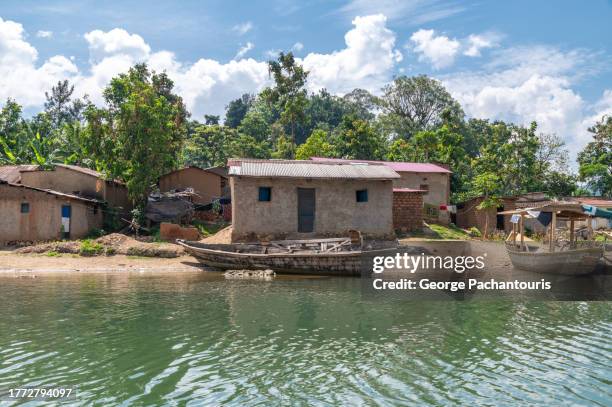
(25, 207)
(265, 194)
(424, 187)
(362, 195)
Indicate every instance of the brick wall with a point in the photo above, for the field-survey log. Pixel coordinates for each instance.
(407, 211)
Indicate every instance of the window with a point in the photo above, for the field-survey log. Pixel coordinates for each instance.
(265, 194)
(25, 207)
(362, 195)
(424, 187)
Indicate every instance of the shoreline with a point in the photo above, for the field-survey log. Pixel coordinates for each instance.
(68, 263)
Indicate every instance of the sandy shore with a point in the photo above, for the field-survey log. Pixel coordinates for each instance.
(12, 262)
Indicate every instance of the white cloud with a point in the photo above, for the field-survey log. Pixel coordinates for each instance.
(368, 61)
(243, 28)
(44, 34)
(20, 79)
(297, 47)
(531, 83)
(243, 50)
(116, 42)
(439, 50)
(476, 42)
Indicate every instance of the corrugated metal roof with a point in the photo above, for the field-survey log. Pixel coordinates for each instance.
(12, 173)
(52, 192)
(396, 165)
(310, 169)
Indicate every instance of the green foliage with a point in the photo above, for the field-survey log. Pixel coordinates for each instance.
(448, 232)
(596, 159)
(141, 131)
(357, 139)
(237, 109)
(474, 232)
(90, 248)
(95, 233)
(319, 144)
(289, 92)
(413, 104)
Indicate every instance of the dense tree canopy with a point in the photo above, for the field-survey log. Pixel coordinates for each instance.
(144, 130)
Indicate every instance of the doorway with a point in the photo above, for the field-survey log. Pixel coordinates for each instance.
(306, 210)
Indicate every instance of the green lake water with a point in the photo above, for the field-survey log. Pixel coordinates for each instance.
(196, 339)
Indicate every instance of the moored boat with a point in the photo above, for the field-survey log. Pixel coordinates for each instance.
(569, 257)
(322, 257)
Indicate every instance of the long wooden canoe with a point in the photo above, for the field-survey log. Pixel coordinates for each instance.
(258, 257)
(569, 262)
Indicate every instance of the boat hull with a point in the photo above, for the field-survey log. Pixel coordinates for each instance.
(348, 263)
(571, 262)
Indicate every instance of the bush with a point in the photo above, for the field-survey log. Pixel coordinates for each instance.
(89, 248)
(474, 232)
(110, 251)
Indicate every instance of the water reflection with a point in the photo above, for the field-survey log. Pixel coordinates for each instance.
(160, 338)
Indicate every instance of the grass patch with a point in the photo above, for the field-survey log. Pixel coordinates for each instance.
(52, 253)
(208, 228)
(448, 232)
(89, 248)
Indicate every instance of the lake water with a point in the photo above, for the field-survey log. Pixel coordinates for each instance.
(194, 338)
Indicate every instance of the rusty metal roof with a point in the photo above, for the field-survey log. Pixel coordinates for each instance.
(52, 192)
(310, 169)
(12, 173)
(396, 165)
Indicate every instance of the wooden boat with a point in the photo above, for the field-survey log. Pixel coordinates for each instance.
(570, 262)
(571, 257)
(322, 256)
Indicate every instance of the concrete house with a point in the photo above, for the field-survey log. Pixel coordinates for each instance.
(468, 215)
(72, 180)
(208, 184)
(286, 199)
(432, 179)
(32, 214)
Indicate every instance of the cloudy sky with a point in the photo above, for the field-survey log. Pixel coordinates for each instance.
(548, 61)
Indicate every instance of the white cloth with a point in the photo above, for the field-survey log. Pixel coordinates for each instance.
(515, 218)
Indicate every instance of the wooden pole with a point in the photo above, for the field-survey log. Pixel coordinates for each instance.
(590, 228)
(514, 227)
(553, 224)
(522, 231)
(572, 232)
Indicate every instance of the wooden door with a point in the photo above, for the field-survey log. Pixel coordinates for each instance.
(306, 210)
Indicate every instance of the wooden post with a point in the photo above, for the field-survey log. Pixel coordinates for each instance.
(522, 231)
(572, 232)
(553, 224)
(590, 228)
(514, 231)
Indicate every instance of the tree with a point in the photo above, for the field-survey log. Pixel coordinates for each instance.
(59, 107)
(210, 119)
(487, 185)
(317, 145)
(289, 92)
(357, 139)
(595, 159)
(141, 130)
(237, 109)
(209, 146)
(415, 104)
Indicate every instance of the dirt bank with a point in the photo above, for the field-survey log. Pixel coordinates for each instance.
(13, 262)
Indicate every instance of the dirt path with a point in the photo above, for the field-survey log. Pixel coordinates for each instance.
(12, 262)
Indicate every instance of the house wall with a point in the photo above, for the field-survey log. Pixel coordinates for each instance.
(469, 216)
(336, 209)
(43, 221)
(438, 183)
(407, 211)
(74, 182)
(438, 191)
(206, 184)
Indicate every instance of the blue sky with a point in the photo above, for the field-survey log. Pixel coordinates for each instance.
(521, 60)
